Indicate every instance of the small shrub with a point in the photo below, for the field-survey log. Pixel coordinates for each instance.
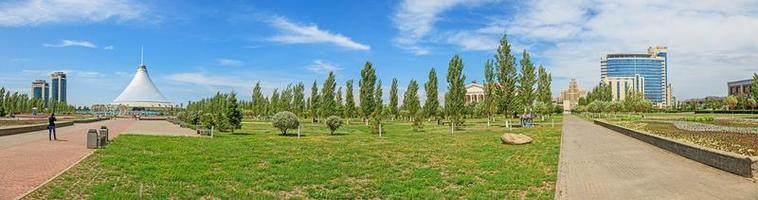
(418, 122)
(333, 123)
(285, 121)
(700, 118)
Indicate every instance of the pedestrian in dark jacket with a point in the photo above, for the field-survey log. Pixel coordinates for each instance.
(51, 127)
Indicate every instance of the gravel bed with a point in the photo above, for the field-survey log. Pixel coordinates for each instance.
(695, 126)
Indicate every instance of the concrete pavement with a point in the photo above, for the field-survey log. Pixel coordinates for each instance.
(597, 163)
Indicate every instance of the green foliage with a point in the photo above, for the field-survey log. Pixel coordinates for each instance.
(284, 121)
(506, 77)
(456, 92)
(411, 100)
(367, 84)
(700, 118)
(731, 102)
(11, 103)
(333, 123)
(601, 92)
(222, 111)
(526, 82)
(751, 103)
(754, 87)
(328, 105)
(544, 80)
(314, 105)
(349, 110)
(432, 103)
(258, 101)
(393, 99)
(490, 89)
(298, 99)
(233, 113)
(543, 108)
(339, 105)
(631, 118)
(418, 121)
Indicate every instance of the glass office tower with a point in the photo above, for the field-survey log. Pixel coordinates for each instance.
(40, 90)
(651, 66)
(58, 87)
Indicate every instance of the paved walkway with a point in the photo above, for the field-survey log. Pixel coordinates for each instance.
(597, 163)
(29, 159)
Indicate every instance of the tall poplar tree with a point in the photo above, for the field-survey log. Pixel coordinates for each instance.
(366, 95)
(298, 99)
(338, 102)
(327, 103)
(349, 110)
(314, 106)
(258, 101)
(527, 79)
(378, 101)
(456, 93)
(410, 99)
(274, 104)
(393, 99)
(490, 88)
(506, 77)
(544, 94)
(754, 87)
(432, 98)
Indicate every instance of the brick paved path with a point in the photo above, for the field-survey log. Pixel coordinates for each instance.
(597, 163)
(29, 159)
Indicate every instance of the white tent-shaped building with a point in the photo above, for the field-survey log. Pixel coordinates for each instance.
(141, 92)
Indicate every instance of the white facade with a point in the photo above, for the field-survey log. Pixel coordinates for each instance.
(620, 86)
(474, 93)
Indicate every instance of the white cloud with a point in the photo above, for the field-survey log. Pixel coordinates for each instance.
(415, 19)
(704, 38)
(292, 33)
(320, 66)
(208, 80)
(109, 47)
(228, 62)
(72, 43)
(89, 74)
(37, 12)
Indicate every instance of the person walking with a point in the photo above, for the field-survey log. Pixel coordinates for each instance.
(51, 127)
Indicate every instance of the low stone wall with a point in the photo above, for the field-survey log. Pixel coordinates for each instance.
(742, 165)
(30, 128)
(89, 120)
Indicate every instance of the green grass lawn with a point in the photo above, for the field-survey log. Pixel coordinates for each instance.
(257, 163)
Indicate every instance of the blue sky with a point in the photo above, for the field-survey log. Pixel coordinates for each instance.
(195, 48)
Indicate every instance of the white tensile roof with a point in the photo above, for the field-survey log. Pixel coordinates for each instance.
(141, 92)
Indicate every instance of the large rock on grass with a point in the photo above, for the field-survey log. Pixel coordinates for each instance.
(512, 138)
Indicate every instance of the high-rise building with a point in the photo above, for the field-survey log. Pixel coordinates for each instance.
(570, 97)
(58, 86)
(652, 66)
(41, 90)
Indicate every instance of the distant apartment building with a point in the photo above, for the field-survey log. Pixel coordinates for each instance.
(58, 87)
(41, 90)
(621, 86)
(743, 87)
(652, 67)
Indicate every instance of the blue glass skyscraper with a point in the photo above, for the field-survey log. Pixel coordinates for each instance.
(58, 87)
(652, 66)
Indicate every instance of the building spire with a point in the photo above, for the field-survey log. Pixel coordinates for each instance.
(141, 55)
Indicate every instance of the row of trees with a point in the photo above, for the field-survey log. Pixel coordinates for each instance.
(508, 91)
(14, 103)
(222, 112)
